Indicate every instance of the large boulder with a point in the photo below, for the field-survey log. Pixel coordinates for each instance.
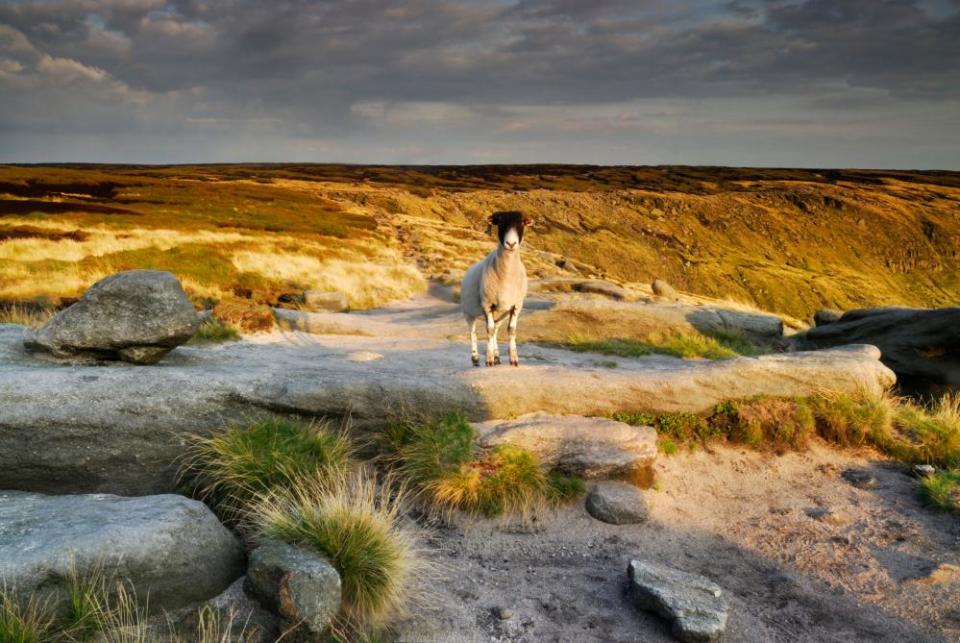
(136, 316)
(590, 447)
(922, 346)
(300, 586)
(120, 430)
(169, 549)
(695, 605)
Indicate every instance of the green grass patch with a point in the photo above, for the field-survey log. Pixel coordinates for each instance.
(900, 428)
(676, 344)
(214, 331)
(24, 621)
(449, 472)
(231, 469)
(941, 491)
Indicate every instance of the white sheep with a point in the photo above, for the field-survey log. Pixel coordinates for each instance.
(494, 288)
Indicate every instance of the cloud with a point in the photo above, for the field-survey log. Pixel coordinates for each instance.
(434, 79)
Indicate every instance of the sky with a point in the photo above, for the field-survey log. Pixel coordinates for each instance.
(790, 83)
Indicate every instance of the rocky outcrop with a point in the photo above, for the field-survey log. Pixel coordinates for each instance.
(616, 503)
(301, 587)
(695, 605)
(922, 346)
(120, 429)
(136, 316)
(167, 547)
(589, 447)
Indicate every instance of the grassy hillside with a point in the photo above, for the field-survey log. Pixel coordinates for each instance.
(790, 241)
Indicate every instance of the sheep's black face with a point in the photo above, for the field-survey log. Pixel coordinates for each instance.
(510, 227)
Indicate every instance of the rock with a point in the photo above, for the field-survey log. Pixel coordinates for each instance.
(617, 503)
(136, 316)
(828, 515)
(301, 586)
(589, 447)
(924, 470)
(826, 316)
(504, 613)
(168, 547)
(919, 345)
(249, 618)
(663, 289)
(605, 288)
(120, 430)
(860, 478)
(694, 604)
(320, 301)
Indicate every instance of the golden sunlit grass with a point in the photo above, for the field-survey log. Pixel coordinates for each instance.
(941, 490)
(23, 315)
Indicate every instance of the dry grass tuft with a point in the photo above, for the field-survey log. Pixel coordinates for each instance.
(24, 621)
(29, 316)
(357, 522)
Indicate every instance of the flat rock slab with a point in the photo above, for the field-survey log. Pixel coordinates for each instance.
(169, 548)
(617, 503)
(119, 428)
(695, 604)
(590, 447)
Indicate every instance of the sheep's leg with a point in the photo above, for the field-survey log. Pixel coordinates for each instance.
(512, 328)
(491, 338)
(474, 353)
(496, 342)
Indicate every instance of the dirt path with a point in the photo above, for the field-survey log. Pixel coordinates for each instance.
(803, 555)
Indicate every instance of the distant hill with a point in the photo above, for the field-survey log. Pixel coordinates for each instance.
(785, 240)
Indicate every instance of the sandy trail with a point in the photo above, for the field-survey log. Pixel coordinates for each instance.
(803, 555)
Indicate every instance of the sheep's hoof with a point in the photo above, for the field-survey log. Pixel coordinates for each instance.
(476, 360)
(514, 362)
(490, 361)
(496, 359)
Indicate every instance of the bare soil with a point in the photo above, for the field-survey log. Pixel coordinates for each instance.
(802, 554)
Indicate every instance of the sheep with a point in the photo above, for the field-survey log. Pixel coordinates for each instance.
(494, 288)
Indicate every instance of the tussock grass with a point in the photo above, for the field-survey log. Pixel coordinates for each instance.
(941, 491)
(232, 469)
(357, 522)
(214, 331)
(777, 422)
(449, 472)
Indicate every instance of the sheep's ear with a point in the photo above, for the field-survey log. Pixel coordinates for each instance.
(495, 218)
(529, 222)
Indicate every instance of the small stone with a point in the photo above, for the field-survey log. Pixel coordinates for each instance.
(301, 586)
(924, 470)
(617, 503)
(504, 613)
(827, 515)
(860, 478)
(826, 316)
(694, 604)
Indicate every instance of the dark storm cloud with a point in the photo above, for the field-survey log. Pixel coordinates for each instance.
(432, 80)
